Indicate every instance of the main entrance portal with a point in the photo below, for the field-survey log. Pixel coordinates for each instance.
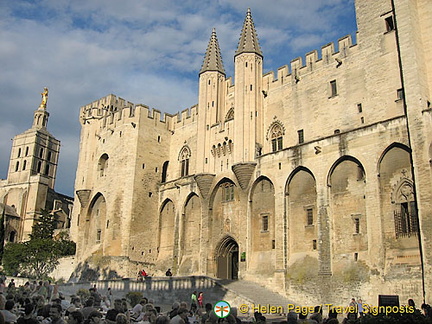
(227, 257)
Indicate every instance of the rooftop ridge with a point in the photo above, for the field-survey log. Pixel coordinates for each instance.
(213, 57)
(248, 42)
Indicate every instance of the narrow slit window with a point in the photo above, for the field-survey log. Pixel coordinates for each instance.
(265, 223)
(300, 136)
(389, 22)
(357, 225)
(333, 88)
(309, 216)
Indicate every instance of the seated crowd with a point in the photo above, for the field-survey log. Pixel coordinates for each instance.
(42, 303)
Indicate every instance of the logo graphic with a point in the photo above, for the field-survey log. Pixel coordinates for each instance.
(222, 309)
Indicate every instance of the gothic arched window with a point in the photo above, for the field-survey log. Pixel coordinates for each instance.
(184, 157)
(405, 213)
(276, 133)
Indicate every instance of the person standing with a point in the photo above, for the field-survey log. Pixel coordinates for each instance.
(360, 307)
(201, 299)
(353, 309)
(194, 302)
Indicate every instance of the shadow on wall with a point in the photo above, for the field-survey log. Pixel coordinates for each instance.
(85, 272)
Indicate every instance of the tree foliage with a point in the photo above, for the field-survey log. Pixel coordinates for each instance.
(34, 259)
(39, 256)
(44, 226)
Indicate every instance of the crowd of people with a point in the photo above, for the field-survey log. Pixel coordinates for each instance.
(357, 312)
(43, 303)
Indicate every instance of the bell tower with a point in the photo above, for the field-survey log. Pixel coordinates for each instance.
(36, 151)
(32, 170)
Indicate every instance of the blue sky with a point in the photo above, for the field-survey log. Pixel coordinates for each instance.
(145, 51)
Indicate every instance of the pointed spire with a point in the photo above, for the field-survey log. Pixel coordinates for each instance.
(213, 58)
(248, 42)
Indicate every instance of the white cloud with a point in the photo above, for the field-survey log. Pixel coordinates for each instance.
(144, 51)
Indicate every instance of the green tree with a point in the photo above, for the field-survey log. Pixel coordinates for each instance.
(44, 226)
(64, 245)
(38, 257)
(35, 258)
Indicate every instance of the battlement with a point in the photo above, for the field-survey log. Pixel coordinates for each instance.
(113, 109)
(329, 57)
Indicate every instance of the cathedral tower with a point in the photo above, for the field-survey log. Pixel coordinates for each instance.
(32, 171)
(36, 151)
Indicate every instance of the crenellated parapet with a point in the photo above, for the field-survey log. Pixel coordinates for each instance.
(185, 117)
(112, 110)
(314, 60)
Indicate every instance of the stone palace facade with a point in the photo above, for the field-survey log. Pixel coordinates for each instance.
(314, 180)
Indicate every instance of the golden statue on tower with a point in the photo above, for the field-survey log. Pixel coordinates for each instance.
(44, 95)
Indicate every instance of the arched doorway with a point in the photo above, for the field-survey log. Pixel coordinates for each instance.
(227, 256)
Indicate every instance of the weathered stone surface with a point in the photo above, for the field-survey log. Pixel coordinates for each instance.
(301, 180)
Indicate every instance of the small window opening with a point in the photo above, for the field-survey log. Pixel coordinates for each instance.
(300, 136)
(359, 108)
(400, 94)
(314, 244)
(389, 22)
(98, 235)
(265, 223)
(12, 236)
(357, 225)
(309, 216)
(47, 168)
(333, 88)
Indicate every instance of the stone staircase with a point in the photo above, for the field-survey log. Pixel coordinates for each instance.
(256, 297)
